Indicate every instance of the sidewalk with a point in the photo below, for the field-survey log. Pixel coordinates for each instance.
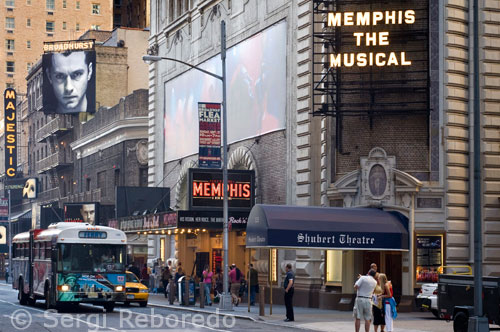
(313, 318)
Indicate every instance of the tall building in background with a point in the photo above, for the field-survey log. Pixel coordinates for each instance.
(27, 24)
(131, 13)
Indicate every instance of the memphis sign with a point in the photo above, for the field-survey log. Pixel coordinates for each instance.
(10, 133)
(364, 39)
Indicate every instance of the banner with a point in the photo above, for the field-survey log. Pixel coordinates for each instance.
(10, 133)
(210, 138)
(4, 209)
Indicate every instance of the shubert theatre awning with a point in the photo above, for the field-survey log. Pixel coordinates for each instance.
(281, 226)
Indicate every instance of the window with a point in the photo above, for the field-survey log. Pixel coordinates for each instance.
(78, 5)
(28, 22)
(49, 26)
(50, 4)
(10, 23)
(47, 250)
(10, 3)
(10, 66)
(96, 9)
(118, 3)
(87, 185)
(29, 65)
(95, 27)
(101, 182)
(78, 27)
(9, 44)
(333, 266)
(117, 177)
(143, 177)
(64, 4)
(64, 26)
(9, 86)
(28, 44)
(28, 2)
(42, 250)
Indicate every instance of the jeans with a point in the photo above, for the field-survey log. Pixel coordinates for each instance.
(289, 304)
(253, 291)
(208, 288)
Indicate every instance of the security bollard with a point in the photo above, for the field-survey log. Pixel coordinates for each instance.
(202, 295)
(171, 292)
(262, 301)
(186, 291)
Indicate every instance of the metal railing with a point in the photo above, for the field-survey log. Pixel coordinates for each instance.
(56, 124)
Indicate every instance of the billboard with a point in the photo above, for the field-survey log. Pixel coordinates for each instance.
(50, 213)
(10, 133)
(69, 77)
(20, 188)
(206, 189)
(133, 201)
(256, 93)
(210, 138)
(87, 212)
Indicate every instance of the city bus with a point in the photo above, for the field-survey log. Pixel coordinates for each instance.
(70, 263)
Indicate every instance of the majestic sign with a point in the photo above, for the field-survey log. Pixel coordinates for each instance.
(10, 98)
(370, 57)
(210, 138)
(69, 69)
(206, 189)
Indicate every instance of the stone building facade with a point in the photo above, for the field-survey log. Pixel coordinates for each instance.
(417, 165)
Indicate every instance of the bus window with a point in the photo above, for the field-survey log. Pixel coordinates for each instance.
(92, 258)
(37, 250)
(42, 250)
(47, 250)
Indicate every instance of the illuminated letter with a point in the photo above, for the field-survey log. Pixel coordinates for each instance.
(348, 59)
(390, 16)
(377, 16)
(206, 189)
(363, 18)
(233, 190)
(378, 62)
(358, 36)
(246, 190)
(197, 189)
(403, 60)
(10, 127)
(10, 94)
(371, 37)
(349, 18)
(334, 19)
(400, 17)
(11, 172)
(410, 16)
(361, 59)
(216, 189)
(370, 59)
(383, 38)
(11, 138)
(10, 147)
(10, 106)
(12, 116)
(335, 60)
(392, 59)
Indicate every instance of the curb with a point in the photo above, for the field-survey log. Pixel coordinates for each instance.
(221, 313)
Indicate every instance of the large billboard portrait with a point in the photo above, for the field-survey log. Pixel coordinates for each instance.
(87, 212)
(69, 77)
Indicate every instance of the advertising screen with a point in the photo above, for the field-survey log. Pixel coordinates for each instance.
(87, 212)
(256, 93)
(69, 69)
(133, 201)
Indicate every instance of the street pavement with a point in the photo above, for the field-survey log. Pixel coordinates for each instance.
(160, 316)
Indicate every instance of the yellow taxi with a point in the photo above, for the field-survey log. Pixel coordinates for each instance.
(136, 292)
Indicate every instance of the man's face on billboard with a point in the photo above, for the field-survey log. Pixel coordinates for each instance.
(69, 75)
(88, 213)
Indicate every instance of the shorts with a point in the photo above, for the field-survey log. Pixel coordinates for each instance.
(363, 308)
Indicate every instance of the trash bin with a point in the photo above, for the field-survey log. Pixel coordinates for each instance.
(181, 284)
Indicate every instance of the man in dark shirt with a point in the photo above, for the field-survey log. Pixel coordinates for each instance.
(288, 285)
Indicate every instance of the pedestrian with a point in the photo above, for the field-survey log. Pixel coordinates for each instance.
(165, 279)
(219, 284)
(363, 303)
(235, 278)
(378, 315)
(388, 302)
(374, 267)
(207, 283)
(253, 277)
(288, 284)
(145, 275)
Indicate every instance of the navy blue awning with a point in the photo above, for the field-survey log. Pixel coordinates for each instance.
(281, 226)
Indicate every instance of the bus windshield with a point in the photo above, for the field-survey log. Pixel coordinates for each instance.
(91, 258)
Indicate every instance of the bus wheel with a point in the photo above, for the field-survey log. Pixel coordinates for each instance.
(31, 301)
(23, 298)
(109, 307)
(47, 297)
(460, 322)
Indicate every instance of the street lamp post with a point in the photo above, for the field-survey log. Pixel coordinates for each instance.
(225, 300)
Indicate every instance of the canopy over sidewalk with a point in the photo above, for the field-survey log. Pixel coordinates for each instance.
(281, 226)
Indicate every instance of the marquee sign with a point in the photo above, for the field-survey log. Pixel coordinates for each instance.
(370, 57)
(206, 189)
(10, 133)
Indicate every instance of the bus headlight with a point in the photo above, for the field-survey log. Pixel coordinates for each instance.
(119, 289)
(64, 288)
